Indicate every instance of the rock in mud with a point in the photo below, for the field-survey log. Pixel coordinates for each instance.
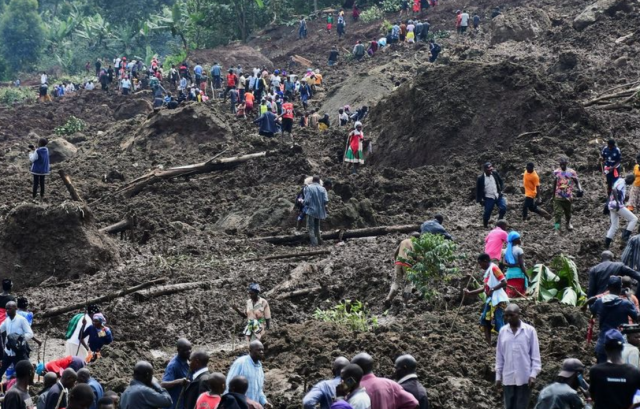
(39, 242)
(61, 150)
(131, 108)
(519, 27)
(598, 10)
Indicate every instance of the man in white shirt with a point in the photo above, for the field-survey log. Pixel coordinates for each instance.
(17, 332)
(630, 352)
(43, 78)
(126, 86)
(489, 193)
(464, 21)
(357, 396)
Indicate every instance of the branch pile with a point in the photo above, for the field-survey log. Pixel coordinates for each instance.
(610, 100)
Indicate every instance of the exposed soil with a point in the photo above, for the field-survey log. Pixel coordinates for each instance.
(512, 92)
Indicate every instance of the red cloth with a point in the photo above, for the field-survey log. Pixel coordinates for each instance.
(287, 108)
(354, 142)
(59, 365)
(231, 80)
(518, 284)
(416, 6)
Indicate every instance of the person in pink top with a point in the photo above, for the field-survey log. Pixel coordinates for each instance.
(495, 240)
(384, 393)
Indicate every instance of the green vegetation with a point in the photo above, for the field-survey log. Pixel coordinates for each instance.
(22, 34)
(72, 126)
(563, 285)
(432, 260)
(10, 96)
(371, 14)
(351, 314)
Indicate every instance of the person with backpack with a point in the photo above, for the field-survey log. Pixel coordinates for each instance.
(39, 166)
(359, 50)
(17, 332)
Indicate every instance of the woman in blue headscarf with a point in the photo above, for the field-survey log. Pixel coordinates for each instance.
(516, 274)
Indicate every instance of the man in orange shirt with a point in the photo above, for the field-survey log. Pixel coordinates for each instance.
(248, 102)
(287, 118)
(531, 183)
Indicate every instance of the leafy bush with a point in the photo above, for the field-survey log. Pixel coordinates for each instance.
(390, 6)
(371, 14)
(385, 27)
(351, 314)
(10, 96)
(563, 285)
(431, 260)
(174, 59)
(72, 126)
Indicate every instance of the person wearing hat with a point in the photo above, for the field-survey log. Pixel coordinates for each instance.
(258, 314)
(565, 181)
(612, 311)
(563, 392)
(99, 335)
(617, 209)
(489, 193)
(613, 383)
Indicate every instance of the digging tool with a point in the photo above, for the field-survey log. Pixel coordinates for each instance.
(453, 321)
(84, 324)
(44, 352)
(592, 323)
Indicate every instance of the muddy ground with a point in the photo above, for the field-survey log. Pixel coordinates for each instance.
(512, 92)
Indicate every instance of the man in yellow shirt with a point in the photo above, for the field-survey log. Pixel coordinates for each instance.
(634, 196)
(531, 183)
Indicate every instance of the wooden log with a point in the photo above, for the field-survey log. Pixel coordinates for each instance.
(302, 60)
(291, 255)
(304, 291)
(83, 305)
(213, 164)
(343, 234)
(128, 223)
(66, 179)
(619, 94)
(169, 289)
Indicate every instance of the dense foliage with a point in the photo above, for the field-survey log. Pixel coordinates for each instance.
(62, 36)
(563, 285)
(352, 314)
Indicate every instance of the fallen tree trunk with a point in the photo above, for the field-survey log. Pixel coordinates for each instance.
(621, 94)
(137, 185)
(169, 289)
(83, 305)
(128, 223)
(66, 179)
(343, 234)
(304, 291)
(292, 255)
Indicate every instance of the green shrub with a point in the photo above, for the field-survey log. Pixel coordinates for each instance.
(351, 314)
(72, 126)
(432, 260)
(390, 6)
(371, 14)
(12, 95)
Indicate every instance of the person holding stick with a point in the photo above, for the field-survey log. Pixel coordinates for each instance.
(76, 328)
(176, 376)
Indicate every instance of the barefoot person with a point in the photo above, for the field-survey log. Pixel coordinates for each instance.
(258, 314)
(354, 153)
(497, 299)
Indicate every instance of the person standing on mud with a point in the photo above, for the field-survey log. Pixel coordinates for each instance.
(517, 359)
(617, 209)
(405, 373)
(315, 202)
(384, 393)
(516, 274)
(494, 242)
(492, 316)
(250, 367)
(258, 314)
(17, 332)
(39, 166)
(287, 118)
(354, 153)
(531, 183)
(144, 391)
(565, 180)
(489, 193)
(302, 30)
(400, 272)
(176, 376)
(612, 311)
(611, 158)
(324, 392)
(599, 274)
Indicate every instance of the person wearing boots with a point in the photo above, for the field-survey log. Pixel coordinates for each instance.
(617, 209)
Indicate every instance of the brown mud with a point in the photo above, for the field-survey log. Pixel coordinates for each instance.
(510, 93)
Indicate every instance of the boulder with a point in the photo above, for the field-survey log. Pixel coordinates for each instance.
(131, 108)
(598, 10)
(519, 26)
(61, 150)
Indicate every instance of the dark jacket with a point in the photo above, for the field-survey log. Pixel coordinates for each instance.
(195, 388)
(54, 396)
(559, 396)
(433, 227)
(612, 312)
(600, 273)
(233, 400)
(414, 387)
(140, 396)
(267, 123)
(480, 186)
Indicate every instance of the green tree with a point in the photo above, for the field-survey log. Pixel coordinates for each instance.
(22, 34)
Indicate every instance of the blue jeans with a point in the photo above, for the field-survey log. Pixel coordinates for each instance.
(489, 204)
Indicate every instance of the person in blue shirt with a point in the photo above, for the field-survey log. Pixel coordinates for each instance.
(611, 158)
(435, 227)
(84, 376)
(198, 71)
(39, 166)
(216, 75)
(176, 376)
(99, 335)
(324, 392)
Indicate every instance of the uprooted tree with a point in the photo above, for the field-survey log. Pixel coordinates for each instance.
(563, 285)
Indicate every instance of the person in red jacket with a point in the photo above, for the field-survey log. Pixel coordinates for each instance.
(232, 82)
(287, 118)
